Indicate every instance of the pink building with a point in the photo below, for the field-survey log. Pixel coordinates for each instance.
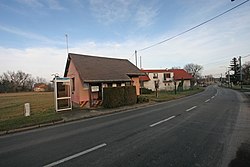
(90, 74)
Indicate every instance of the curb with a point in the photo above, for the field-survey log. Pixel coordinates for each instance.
(30, 127)
(3, 132)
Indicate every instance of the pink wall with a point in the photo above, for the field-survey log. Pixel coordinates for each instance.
(136, 83)
(80, 94)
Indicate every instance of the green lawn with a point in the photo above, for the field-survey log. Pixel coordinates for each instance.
(245, 88)
(12, 109)
(170, 95)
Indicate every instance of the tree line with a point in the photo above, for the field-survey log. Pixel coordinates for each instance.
(19, 81)
(241, 73)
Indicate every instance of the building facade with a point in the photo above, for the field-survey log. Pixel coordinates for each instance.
(91, 74)
(164, 79)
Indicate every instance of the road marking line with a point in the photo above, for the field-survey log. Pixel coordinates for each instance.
(212, 97)
(75, 155)
(157, 123)
(207, 100)
(191, 108)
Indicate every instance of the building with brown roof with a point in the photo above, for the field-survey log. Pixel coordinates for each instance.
(90, 74)
(40, 87)
(165, 79)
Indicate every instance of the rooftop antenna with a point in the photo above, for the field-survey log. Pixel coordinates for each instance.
(67, 43)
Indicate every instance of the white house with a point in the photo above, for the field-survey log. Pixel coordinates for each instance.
(165, 79)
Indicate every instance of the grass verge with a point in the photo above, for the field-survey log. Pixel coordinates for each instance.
(170, 95)
(35, 119)
(12, 109)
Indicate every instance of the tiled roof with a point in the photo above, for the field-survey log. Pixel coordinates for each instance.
(40, 85)
(101, 69)
(180, 74)
(144, 78)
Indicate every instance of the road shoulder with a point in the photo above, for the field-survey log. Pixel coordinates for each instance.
(240, 135)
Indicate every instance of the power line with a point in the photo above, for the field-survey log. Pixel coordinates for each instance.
(184, 32)
(223, 59)
(246, 56)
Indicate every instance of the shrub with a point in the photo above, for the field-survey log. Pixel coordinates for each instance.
(119, 96)
(146, 91)
(142, 99)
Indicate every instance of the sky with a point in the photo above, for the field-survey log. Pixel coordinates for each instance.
(32, 33)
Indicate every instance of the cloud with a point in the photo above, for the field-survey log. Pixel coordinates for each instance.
(109, 11)
(145, 16)
(31, 3)
(51, 4)
(40, 62)
(55, 5)
(29, 35)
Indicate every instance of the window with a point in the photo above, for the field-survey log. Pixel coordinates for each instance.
(127, 83)
(166, 75)
(155, 75)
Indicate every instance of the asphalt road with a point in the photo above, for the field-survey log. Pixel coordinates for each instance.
(200, 130)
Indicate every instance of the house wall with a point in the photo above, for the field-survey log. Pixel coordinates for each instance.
(136, 83)
(163, 84)
(167, 84)
(81, 93)
(186, 84)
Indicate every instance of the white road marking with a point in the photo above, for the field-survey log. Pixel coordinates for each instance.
(212, 97)
(216, 92)
(207, 100)
(191, 108)
(75, 155)
(157, 123)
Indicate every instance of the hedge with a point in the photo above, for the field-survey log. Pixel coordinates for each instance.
(146, 91)
(119, 96)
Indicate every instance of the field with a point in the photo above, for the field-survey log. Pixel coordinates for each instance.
(12, 109)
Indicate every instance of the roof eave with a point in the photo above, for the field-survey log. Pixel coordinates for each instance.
(136, 74)
(98, 81)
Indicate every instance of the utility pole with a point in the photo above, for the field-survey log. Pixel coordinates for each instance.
(228, 73)
(140, 63)
(221, 79)
(136, 58)
(240, 73)
(67, 43)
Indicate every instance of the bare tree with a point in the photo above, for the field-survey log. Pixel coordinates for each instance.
(40, 80)
(194, 70)
(16, 81)
(246, 72)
